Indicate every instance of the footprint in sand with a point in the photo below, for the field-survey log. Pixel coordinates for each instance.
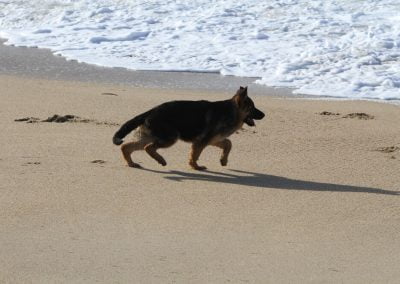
(389, 150)
(98, 162)
(32, 163)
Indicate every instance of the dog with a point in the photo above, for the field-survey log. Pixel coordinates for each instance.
(202, 123)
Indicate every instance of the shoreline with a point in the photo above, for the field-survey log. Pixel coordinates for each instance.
(17, 61)
(43, 64)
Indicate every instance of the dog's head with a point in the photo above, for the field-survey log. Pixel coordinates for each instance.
(246, 107)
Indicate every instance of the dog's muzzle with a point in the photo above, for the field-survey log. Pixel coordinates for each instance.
(254, 114)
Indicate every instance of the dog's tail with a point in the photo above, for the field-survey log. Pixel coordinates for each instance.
(128, 126)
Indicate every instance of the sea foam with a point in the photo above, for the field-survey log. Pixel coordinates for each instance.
(337, 48)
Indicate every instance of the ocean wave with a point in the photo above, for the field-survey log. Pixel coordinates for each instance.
(337, 48)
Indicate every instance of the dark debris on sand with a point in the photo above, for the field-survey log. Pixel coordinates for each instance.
(65, 118)
(389, 149)
(28, 119)
(359, 115)
(328, 113)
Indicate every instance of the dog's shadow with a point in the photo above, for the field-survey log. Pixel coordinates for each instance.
(260, 180)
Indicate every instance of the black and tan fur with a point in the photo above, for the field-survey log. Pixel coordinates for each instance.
(202, 123)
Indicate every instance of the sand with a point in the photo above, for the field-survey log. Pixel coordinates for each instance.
(310, 195)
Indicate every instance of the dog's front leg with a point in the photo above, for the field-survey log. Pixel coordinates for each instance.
(226, 146)
(194, 156)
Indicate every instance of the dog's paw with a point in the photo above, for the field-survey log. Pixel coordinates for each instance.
(199, 168)
(135, 165)
(224, 162)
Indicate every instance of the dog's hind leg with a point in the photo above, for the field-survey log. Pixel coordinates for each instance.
(226, 146)
(151, 149)
(130, 147)
(194, 156)
(163, 136)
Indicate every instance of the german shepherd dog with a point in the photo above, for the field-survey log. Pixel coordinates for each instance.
(202, 123)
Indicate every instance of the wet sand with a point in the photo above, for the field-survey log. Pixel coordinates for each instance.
(40, 63)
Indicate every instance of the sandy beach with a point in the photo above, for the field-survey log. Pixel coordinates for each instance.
(311, 195)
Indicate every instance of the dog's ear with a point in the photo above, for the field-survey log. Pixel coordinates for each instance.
(241, 94)
(241, 90)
